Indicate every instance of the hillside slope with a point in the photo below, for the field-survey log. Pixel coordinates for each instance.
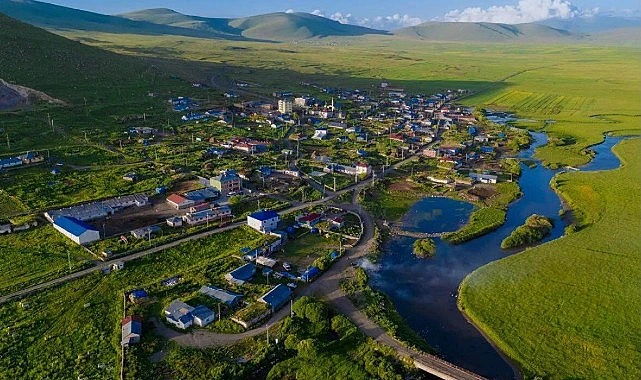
(164, 16)
(485, 32)
(290, 26)
(54, 17)
(41, 60)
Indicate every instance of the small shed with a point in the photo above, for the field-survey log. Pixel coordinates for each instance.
(310, 274)
(242, 274)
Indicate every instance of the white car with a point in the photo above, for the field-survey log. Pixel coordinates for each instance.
(292, 285)
(287, 266)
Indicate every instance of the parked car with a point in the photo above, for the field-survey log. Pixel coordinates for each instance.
(287, 266)
(292, 285)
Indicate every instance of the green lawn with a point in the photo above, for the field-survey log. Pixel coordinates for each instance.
(570, 308)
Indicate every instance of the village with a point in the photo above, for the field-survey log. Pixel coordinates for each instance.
(268, 167)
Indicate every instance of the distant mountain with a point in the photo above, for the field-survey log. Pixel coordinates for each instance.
(485, 32)
(164, 16)
(54, 17)
(272, 26)
(290, 26)
(595, 24)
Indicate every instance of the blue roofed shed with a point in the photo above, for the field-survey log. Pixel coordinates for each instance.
(241, 275)
(277, 297)
(310, 274)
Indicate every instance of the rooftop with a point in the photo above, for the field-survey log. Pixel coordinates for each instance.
(73, 225)
(264, 215)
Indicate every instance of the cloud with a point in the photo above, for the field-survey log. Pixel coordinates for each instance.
(391, 22)
(290, 10)
(524, 11)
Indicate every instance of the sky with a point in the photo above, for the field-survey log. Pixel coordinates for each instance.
(380, 14)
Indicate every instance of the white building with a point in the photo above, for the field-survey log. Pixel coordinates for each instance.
(285, 105)
(484, 178)
(76, 230)
(263, 221)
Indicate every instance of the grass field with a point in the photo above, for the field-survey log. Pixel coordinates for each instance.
(74, 331)
(37, 255)
(570, 308)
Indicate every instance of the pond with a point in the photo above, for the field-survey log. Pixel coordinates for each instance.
(424, 290)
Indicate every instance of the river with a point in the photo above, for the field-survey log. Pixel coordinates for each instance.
(424, 290)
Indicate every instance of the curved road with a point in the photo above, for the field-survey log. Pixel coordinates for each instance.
(327, 287)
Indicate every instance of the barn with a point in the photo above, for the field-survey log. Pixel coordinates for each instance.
(76, 230)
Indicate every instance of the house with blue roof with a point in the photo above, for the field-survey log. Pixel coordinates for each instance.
(179, 314)
(76, 230)
(276, 297)
(264, 221)
(241, 275)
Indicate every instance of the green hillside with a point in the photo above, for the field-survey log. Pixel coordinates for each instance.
(289, 26)
(164, 16)
(485, 32)
(60, 18)
(44, 61)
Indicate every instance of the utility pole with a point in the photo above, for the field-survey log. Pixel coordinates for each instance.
(291, 308)
(219, 311)
(8, 143)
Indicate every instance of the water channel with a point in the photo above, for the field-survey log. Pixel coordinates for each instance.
(424, 290)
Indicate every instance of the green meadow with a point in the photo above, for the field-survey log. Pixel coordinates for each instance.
(570, 308)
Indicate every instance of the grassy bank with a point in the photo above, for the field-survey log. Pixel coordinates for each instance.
(570, 308)
(488, 218)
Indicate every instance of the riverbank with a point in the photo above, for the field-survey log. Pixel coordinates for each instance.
(597, 265)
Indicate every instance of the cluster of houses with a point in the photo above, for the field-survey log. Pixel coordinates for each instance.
(23, 159)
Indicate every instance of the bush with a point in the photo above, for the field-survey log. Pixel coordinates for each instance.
(424, 247)
(536, 227)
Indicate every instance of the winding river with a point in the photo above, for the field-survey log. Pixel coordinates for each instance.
(424, 290)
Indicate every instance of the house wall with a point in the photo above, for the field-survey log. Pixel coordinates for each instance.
(265, 226)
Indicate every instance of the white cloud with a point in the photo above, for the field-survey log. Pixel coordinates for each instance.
(524, 11)
(391, 22)
(290, 10)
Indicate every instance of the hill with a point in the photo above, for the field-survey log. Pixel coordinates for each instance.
(47, 62)
(272, 26)
(485, 32)
(623, 36)
(55, 17)
(290, 26)
(164, 16)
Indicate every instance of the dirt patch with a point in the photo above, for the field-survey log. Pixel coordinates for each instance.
(482, 191)
(14, 96)
(182, 187)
